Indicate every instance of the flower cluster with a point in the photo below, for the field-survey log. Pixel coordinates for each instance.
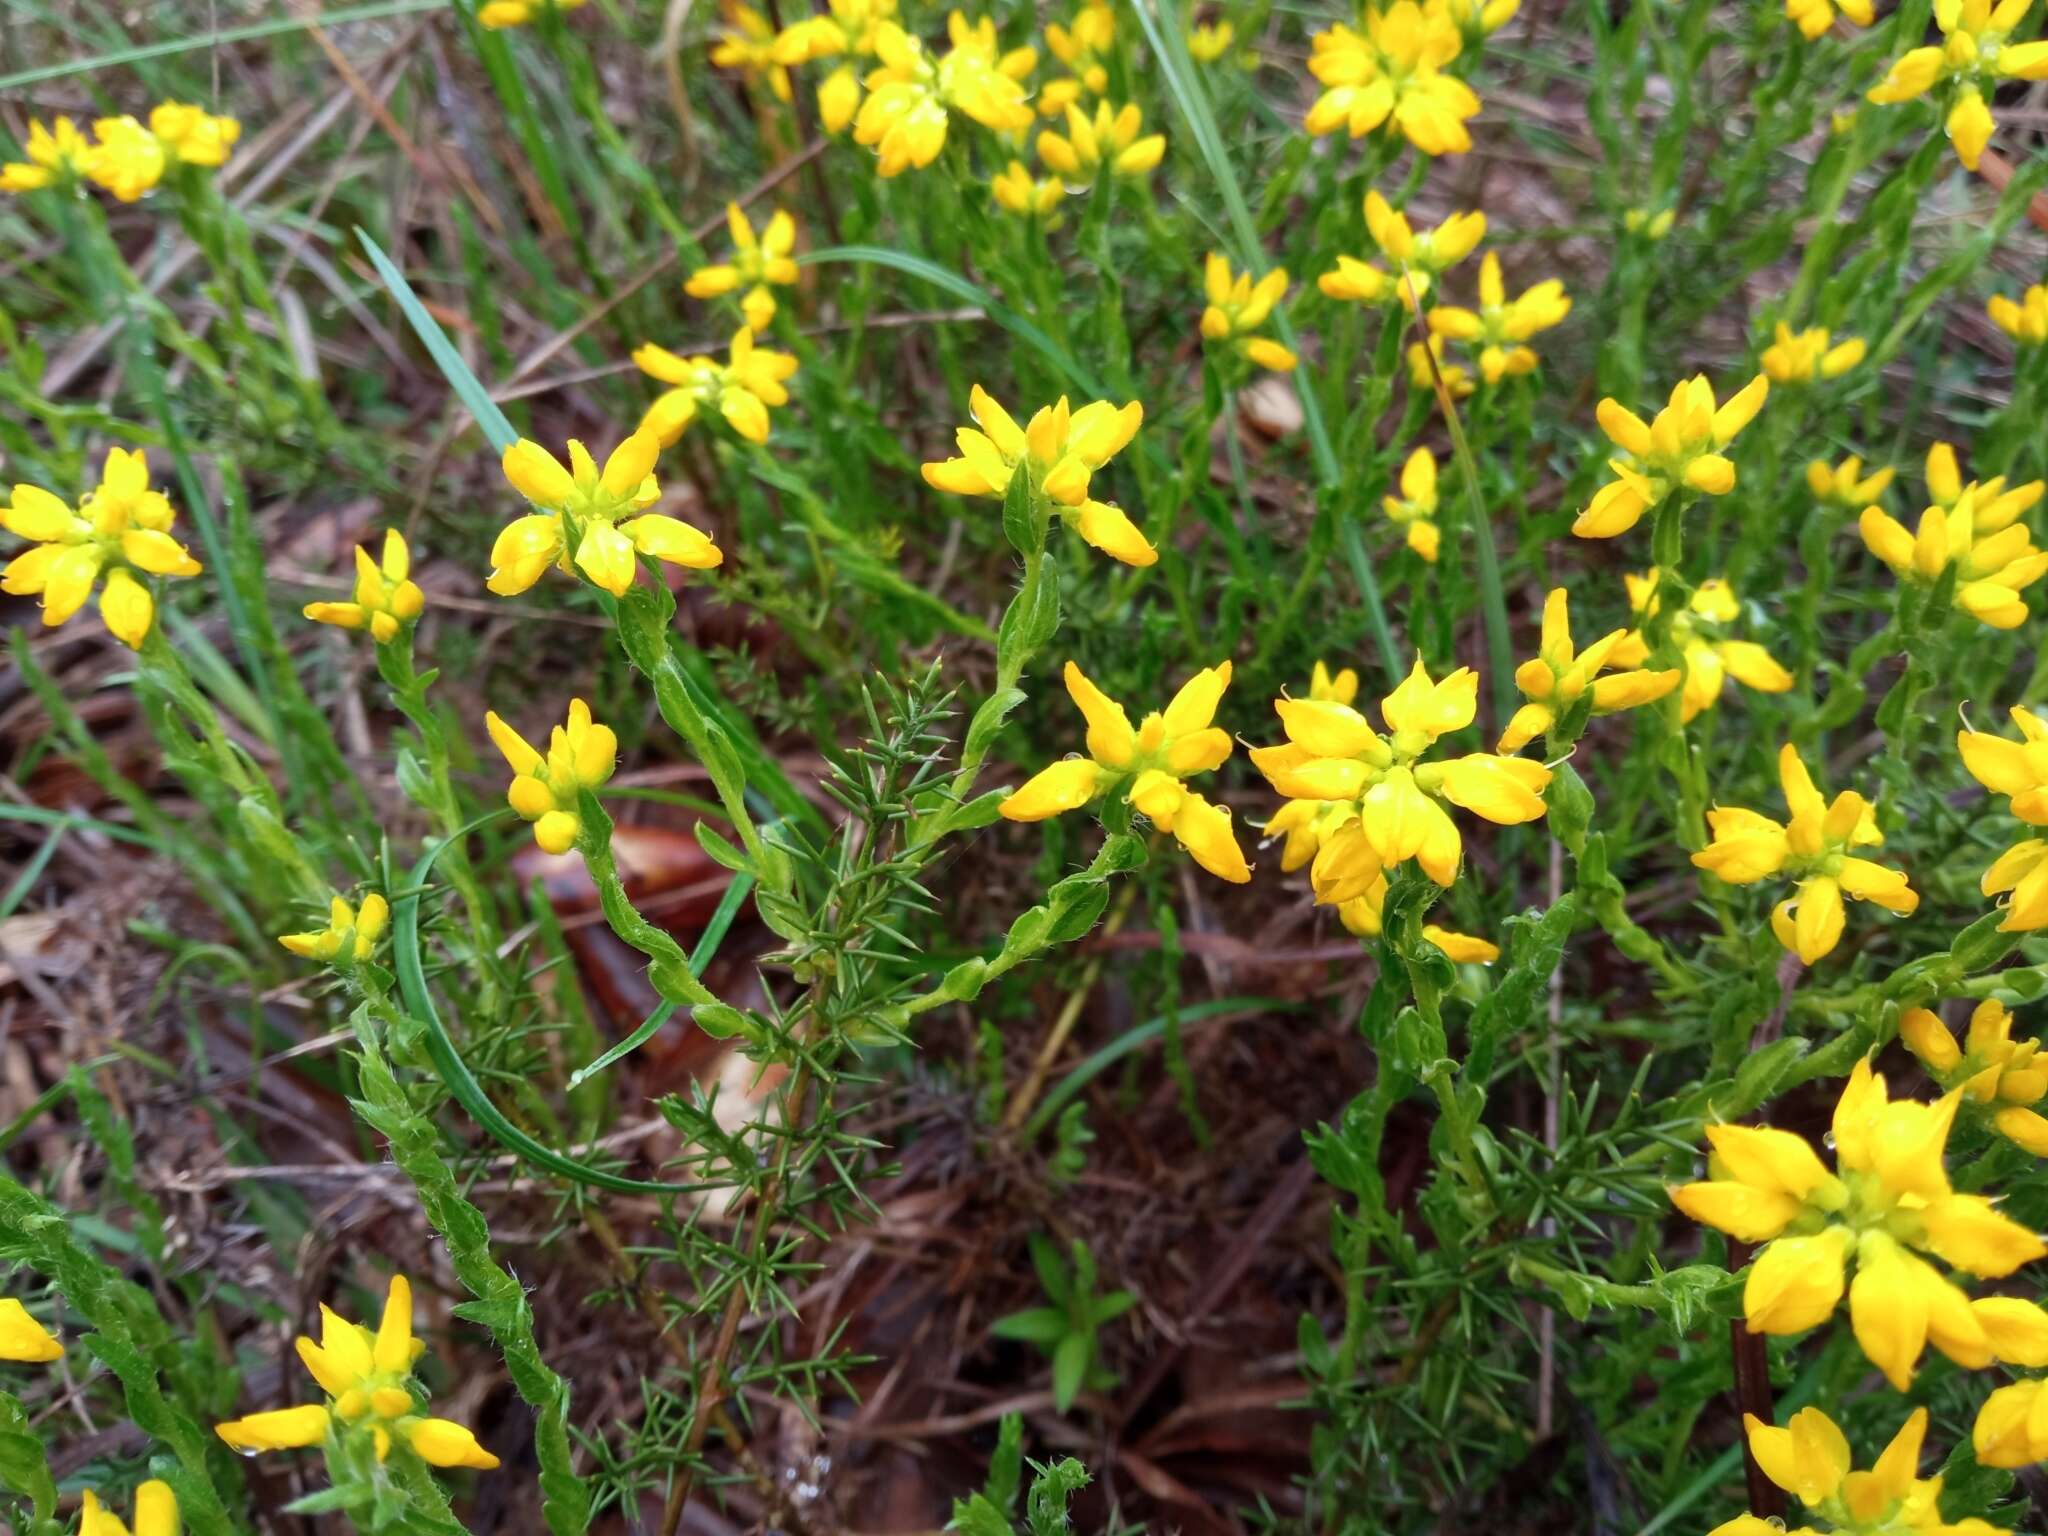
(1680, 447)
(1559, 678)
(1989, 1067)
(848, 30)
(591, 521)
(912, 94)
(1392, 72)
(546, 790)
(1113, 139)
(758, 262)
(1500, 328)
(1237, 307)
(2019, 771)
(1415, 508)
(1976, 53)
(120, 530)
(2024, 319)
(743, 388)
(1975, 529)
(1147, 767)
(1809, 356)
(1707, 657)
(385, 600)
(1809, 1458)
(351, 932)
(123, 157)
(1813, 848)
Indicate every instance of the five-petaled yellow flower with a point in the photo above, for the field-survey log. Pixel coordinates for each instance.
(1812, 848)
(757, 262)
(910, 96)
(1989, 1067)
(1499, 329)
(56, 155)
(1392, 71)
(1388, 804)
(1237, 307)
(121, 529)
(1977, 529)
(1808, 356)
(23, 1339)
(848, 27)
(545, 790)
(350, 931)
(1845, 485)
(1708, 661)
(743, 387)
(1978, 52)
(2024, 319)
(368, 1381)
(1147, 767)
(1110, 138)
(1016, 189)
(590, 521)
(1681, 446)
(386, 600)
(518, 13)
(1058, 451)
(1809, 1458)
(2018, 770)
(1814, 17)
(1558, 676)
(156, 1513)
(1888, 1197)
(1415, 508)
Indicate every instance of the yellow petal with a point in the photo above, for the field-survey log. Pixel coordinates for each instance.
(282, 1429)
(23, 1338)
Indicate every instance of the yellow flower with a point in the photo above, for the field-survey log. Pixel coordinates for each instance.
(1058, 451)
(748, 44)
(1681, 446)
(1415, 508)
(2012, 1426)
(1500, 329)
(909, 97)
(1888, 1197)
(128, 159)
(121, 529)
(755, 264)
(590, 521)
(1977, 54)
(1085, 49)
(1974, 528)
(1361, 282)
(1430, 250)
(2025, 321)
(1237, 307)
(1017, 190)
(385, 601)
(1389, 805)
(194, 136)
(1559, 676)
(848, 28)
(1363, 915)
(349, 931)
(545, 790)
(1706, 661)
(1109, 138)
(744, 388)
(56, 154)
(1813, 847)
(1339, 687)
(1814, 17)
(1845, 484)
(24, 1339)
(1989, 1067)
(1210, 40)
(1805, 357)
(156, 1513)
(1392, 73)
(368, 1381)
(1147, 767)
(1809, 1457)
(2018, 770)
(518, 13)
(1651, 226)
(1422, 376)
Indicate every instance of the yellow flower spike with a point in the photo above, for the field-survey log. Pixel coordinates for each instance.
(120, 530)
(757, 263)
(1237, 307)
(1415, 508)
(1813, 849)
(1111, 138)
(349, 932)
(1978, 53)
(1147, 767)
(1680, 447)
(1887, 1201)
(2024, 320)
(1814, 17)
(1210, 40)
(1707, 660)
(910, 97)
(748, 44)
(24, 1339)
(1845, 485)
(1384, 804)
(1432, 251)
(57, 156)
(1020, 193)
(367, 1378)
(385, 599)
(1559, 675)
(1499, 329)
(546, 790)
(1391, 73)
(1809, 356)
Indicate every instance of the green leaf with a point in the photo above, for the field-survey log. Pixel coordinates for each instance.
(1070, 1360)
(1035, 1325)
(496, 429)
